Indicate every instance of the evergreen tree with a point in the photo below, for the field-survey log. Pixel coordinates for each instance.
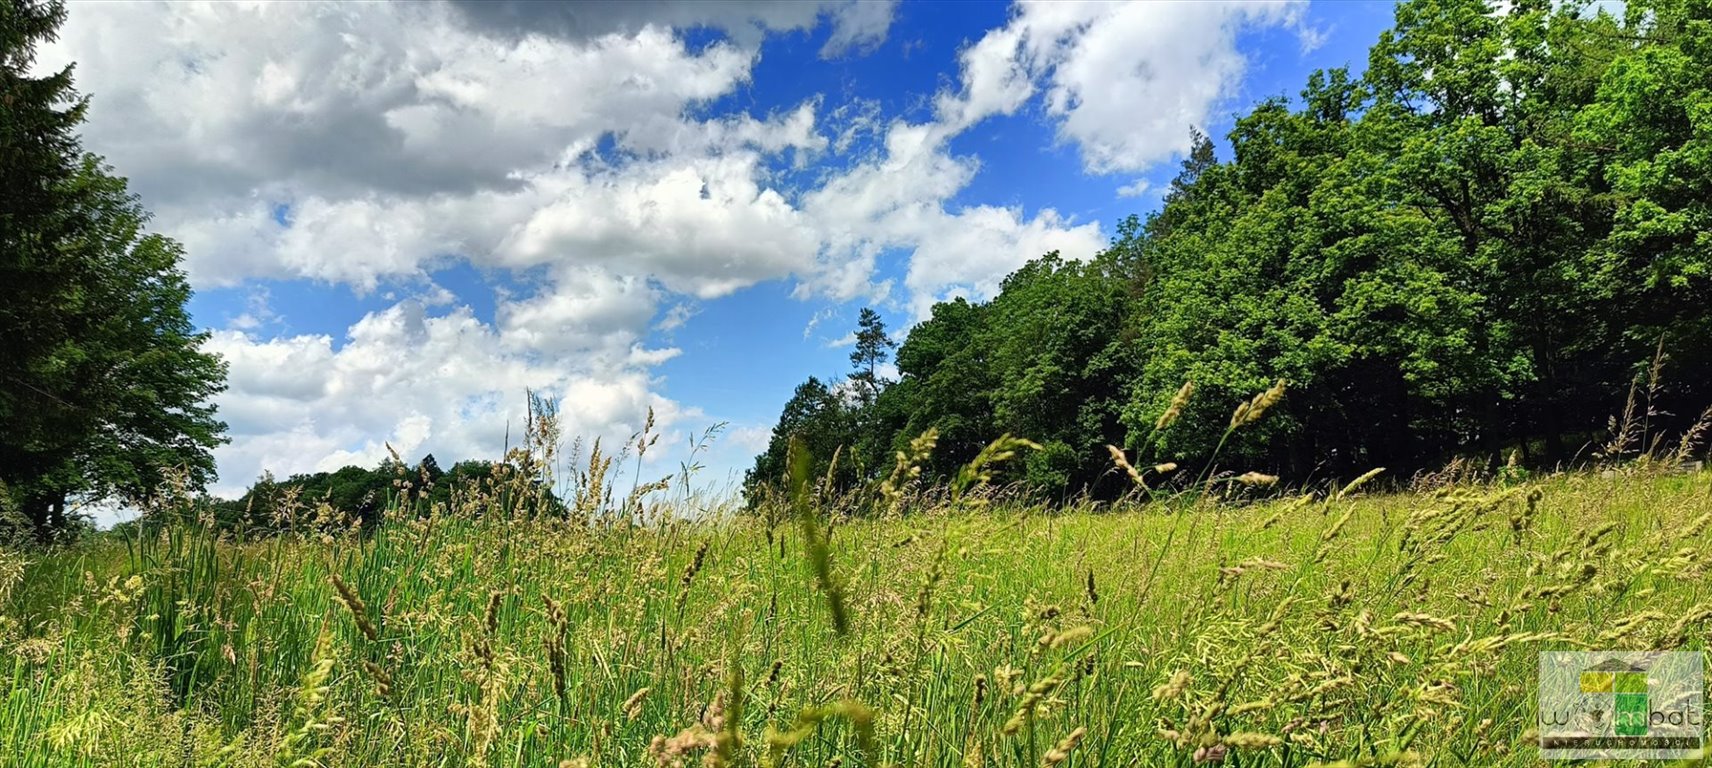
(104, 390)
(429, 468)
(873, 347)
(822, 421)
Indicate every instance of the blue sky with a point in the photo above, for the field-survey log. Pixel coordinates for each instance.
(398, 217)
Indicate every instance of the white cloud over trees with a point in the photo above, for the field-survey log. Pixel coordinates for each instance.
(365, 144)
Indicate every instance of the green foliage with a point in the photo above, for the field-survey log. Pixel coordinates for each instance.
(847, 431)
(1057, 359)
(946, 384)
(104, 390)
(1471, 248)
(1049, 470)
(872, 348)
(824, 424)
(350, 494)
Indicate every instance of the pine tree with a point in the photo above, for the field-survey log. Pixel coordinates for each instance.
(873, 347)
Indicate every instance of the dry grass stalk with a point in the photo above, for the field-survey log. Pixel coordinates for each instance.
(1174, 409)
(1061, 751)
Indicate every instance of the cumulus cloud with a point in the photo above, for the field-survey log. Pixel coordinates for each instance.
(856, 24)
(984, 245)
(1136, 188)
(355, 144)
(584, 312)
(1123, 81)
(859, 26)
(198, 100)
(448, 384)
(702, 226)
(995, 79)
(901, 198)
(570, 146)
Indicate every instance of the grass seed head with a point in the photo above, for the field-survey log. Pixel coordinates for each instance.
(633, 706)
(1061, 752)
(358, 610)
(1175, 408)
(1257, 479)
(1252, 411)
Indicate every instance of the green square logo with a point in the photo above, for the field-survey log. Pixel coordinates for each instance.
(1631, 714)
(1630, 682)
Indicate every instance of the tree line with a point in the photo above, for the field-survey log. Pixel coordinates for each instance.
(350, 495)
(1474, 246)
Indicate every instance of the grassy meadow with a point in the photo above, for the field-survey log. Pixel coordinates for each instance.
(1344, 629)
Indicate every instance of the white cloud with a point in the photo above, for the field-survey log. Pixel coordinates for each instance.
(446, 384)
(752, 438)
(702, 226)
(368, 144)
(995, 79)
(1136, 188)
(258, 311)
(201, 100)
(857, 25)
(820, 316)
(903, 198)
(584, 312)
(1123, 81)
(847, 340)
(355, 144)
(983, 246)
(676, 317)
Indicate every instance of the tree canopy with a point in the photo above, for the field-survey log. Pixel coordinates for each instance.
(358, 493)
(104, 388)
(1475, 245)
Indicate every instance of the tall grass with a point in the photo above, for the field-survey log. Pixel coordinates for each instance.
(1341, 629)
